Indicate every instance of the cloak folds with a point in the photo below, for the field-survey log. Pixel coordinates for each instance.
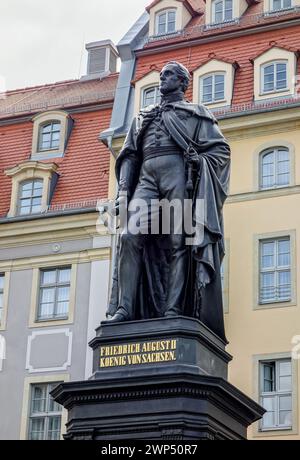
(193, 125)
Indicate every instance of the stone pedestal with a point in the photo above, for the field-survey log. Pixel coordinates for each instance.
(161, 379)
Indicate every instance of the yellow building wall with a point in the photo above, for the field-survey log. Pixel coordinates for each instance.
(248, 213)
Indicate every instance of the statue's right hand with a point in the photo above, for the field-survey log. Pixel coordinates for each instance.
(121, 201)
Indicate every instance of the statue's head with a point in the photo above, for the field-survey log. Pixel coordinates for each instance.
(174, 77)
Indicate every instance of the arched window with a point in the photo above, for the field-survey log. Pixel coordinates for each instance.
(275, 168)
(212, 88)
(150, 96)
(49, 136)
(222, 10)
(166, 22)
(30, 197)
(274, 76)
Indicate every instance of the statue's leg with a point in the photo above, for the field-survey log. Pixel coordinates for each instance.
(132, 244)
(173, 188)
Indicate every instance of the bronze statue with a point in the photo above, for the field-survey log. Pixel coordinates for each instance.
(175, 151)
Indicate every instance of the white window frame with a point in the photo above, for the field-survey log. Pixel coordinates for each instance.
(276, 151)
(276, 394)
(55, 285)
(262, 80)
(275, 269)
(40, 134)
(46, 415)
(223, 12)
(282, 8)
(201, 83)
(166, 11)
(31, 197)
(156, 97)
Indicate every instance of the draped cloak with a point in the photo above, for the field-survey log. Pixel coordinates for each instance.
(195, 125)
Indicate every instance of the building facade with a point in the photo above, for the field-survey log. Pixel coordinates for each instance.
(54, 258)
(244, 61)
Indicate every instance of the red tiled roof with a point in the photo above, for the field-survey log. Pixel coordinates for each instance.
(64, 94)
(240, 49)
(273, 44)
(214, 56)
(84, 169)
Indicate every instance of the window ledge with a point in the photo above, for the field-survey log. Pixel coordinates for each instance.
(280, 11)
(46, 155)
(279, 304)
(217, 25)
(51, 323)
(277, 91)
(165, 36)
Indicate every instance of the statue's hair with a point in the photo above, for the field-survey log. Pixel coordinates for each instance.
(182, 72)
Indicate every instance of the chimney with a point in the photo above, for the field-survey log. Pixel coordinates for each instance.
(102, 59)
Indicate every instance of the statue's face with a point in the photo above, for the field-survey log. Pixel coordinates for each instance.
(169, 79)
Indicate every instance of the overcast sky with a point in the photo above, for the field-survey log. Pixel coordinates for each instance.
(42, 41)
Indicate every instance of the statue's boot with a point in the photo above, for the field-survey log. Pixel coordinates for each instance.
(120, 316)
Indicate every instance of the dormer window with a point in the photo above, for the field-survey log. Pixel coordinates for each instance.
(166, 22)
(212, 88)
(49, 136)
(277, 5)
(51, 132)
(30, 197)
(151, 96)
(33, 185)
(222, 11)
(213, 83)
(275, 73)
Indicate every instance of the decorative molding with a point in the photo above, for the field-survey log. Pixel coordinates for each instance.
(30, 170)
(27, 263)
(263, 194)
(67, 227)
(257, 238)
(5, 300)
(26, 400)
(35, 334)
(34, 303)
(256, 359)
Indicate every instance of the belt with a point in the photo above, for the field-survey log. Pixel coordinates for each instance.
(153, 153)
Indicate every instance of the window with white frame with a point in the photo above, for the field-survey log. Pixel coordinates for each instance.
(212, 88)
(276, 394)
(54, 295)
(49, 136)
(166, 22)
(150, 96)
(30, 197)
(274, 77)
(2, 278)
(45, 414)
(222, 11)
(275, 168)
(275, 270)
(280, 4)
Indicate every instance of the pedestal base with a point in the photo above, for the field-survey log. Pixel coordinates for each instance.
(161, 379)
